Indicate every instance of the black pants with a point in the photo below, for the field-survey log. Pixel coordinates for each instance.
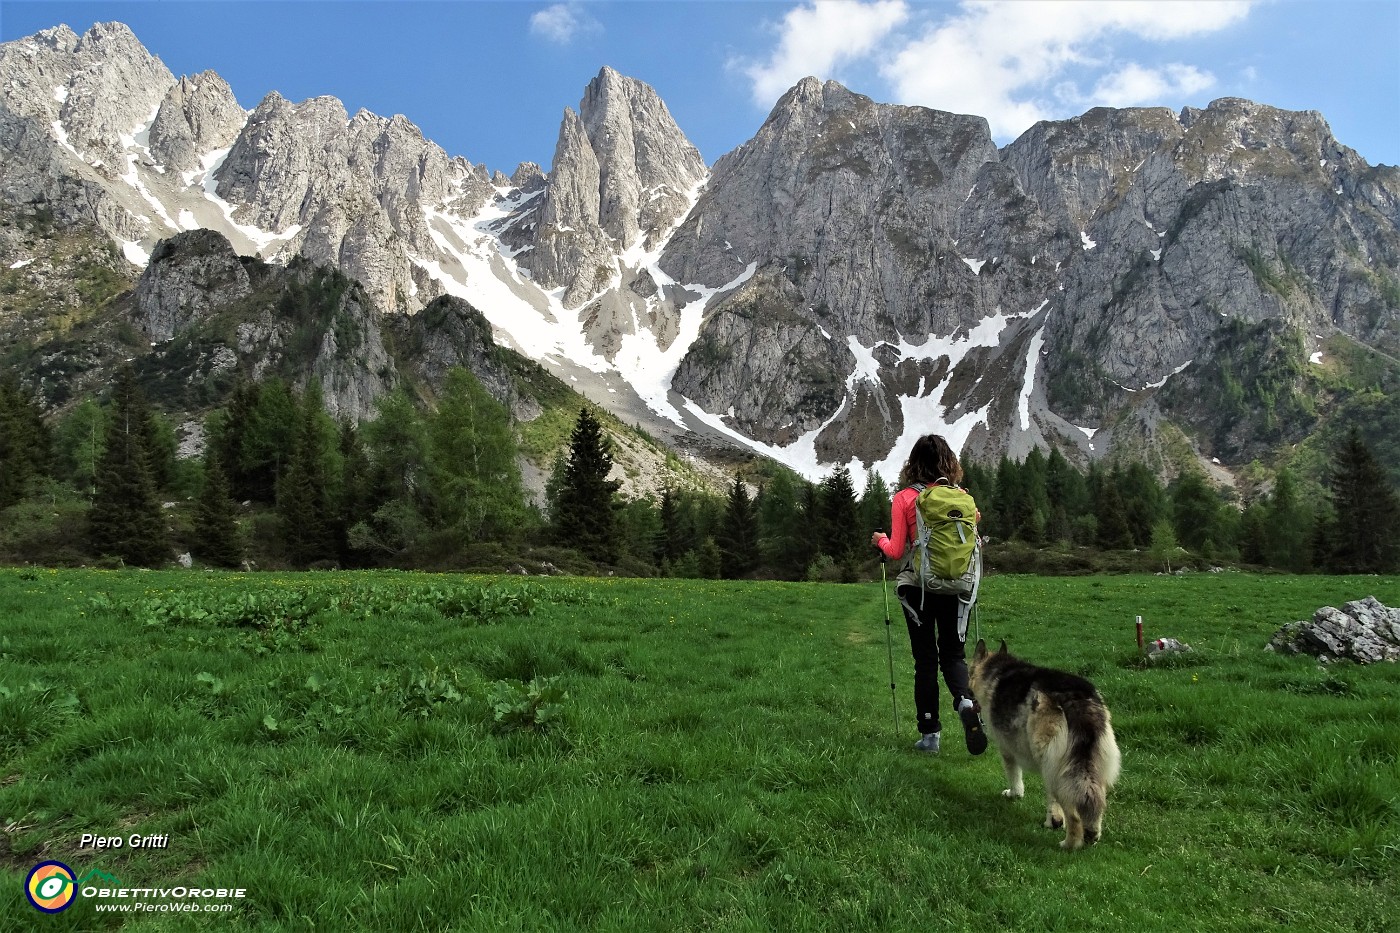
(933, 636)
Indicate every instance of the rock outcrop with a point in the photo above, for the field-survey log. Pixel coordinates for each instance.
(1364, 631)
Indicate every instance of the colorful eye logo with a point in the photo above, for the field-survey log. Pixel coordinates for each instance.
(50, 887)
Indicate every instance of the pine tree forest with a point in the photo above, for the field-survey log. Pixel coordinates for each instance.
(281, 484)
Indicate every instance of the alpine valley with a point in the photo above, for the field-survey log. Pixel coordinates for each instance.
(1213, 286)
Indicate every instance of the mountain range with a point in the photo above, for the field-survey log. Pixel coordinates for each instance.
(1210, 286)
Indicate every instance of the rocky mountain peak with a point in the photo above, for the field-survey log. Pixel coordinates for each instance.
(526, 175)
(94, 89)
(59, 38)
(647, 167)
(623, 176)
(199, 115)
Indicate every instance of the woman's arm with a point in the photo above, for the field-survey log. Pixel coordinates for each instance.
(896, 543)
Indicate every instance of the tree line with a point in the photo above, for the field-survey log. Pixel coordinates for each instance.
(280, 483)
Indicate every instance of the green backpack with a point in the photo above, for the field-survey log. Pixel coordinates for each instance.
(947, 554)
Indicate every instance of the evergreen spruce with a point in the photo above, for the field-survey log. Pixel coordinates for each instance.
(227, 430)
(1286, 541)
(669, 546)
(639, 527)
(738, 538)
(25, 443)
(784, 540)
(1114, 532)
(268, 441)
(216, 518)
(1144, 501)
(874, 505)
(356, 501)
(303, 494)
(125, 520)
(840, 524)
(397, 443)
(587, 499)
(1367, 512)
(1195, 513)
(1067, 495)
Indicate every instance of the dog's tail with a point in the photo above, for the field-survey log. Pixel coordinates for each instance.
(1093, 762)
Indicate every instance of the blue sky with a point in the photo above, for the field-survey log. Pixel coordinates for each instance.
(489, 80)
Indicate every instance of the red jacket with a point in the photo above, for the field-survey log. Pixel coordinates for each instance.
(903, 524)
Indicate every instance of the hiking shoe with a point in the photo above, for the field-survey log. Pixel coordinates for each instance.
(928, 743)
(973, 732)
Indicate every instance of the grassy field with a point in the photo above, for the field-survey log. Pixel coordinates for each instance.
(415, 752)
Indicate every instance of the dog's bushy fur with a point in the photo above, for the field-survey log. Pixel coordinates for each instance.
(1057, 724)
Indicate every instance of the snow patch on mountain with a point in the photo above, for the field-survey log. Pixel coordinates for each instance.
(1023, 402)
(920, 416)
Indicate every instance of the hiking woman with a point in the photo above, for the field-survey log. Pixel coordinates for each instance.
(934, 635)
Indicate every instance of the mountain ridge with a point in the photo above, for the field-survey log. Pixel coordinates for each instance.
(855, 274)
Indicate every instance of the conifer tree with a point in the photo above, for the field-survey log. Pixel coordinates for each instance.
(1066, 495)
(1006, 520)
(1286, 541)
(303, 494)
(1367, 512)
(25, 444)
(1164, 545)
(709, 561)
(1253, 539)
(216, 518)
(874, 505)
(639, 531)
(1195, 507)
(227, 434)
(125, 519)
(840, 522)
(1144, 502)
(396, 441)
(1112, 518)
(584, 513)
(669, 546)
(268, 440)
(473, 472)
(78, 443)
(738, 538)
(356, 501)
(785, 545)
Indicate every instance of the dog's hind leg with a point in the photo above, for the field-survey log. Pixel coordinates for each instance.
(1074, 831)
(1091, 808)
(1054, 813)
(1015, 785)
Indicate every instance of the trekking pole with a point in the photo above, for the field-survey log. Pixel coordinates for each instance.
(889, 646)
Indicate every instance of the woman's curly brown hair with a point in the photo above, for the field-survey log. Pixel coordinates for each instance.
(930, 460)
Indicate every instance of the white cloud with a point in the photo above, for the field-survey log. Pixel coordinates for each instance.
(819, 36)
(1011, 62)
(1134, 84)
(562, 23)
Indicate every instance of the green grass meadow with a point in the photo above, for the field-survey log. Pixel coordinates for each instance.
(394, 751)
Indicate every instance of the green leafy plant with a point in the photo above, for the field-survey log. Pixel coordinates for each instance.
(428, 692)
(534, 706)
